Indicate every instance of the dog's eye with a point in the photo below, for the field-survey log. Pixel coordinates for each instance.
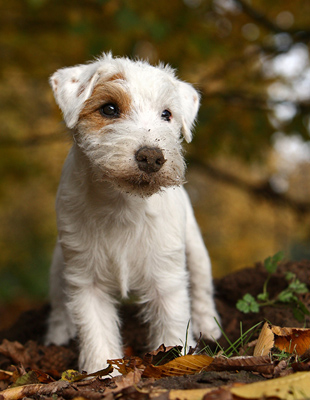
(166, 115)
(109, 110)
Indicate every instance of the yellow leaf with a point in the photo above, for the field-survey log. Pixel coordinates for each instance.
(190, 394)
(291, 387)
(70, 375)
(189, 364)
(73, 376)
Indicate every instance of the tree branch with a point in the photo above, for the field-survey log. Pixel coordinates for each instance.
(299, 34)
(262, 190)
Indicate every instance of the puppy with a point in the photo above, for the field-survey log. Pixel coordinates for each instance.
(125, 222)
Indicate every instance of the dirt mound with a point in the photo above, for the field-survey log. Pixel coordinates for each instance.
(30, 328)
(228, 290)
(233, 287)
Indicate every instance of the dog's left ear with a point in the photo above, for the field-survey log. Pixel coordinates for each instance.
(71, 87)
(190, 101)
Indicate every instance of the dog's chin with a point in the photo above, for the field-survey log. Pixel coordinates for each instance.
(144, 185)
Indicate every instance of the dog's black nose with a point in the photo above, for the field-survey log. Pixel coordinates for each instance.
(150, 159)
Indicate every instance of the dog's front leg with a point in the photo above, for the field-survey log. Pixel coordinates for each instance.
(167, 309)
(204, 315)
(97, 321)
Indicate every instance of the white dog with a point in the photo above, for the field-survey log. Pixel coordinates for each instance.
(125, 222)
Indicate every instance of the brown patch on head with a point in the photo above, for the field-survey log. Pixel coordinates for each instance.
(105, 92)
(117, 76)
(55, 84)
(82, 88)
(74, 80)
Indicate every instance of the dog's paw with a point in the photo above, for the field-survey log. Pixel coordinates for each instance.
(94, 358)
(206, 326)
(95, 367)
(58, 335)
(60, 330)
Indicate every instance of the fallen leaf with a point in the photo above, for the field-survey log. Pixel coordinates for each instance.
(218, 394)
(292, 387)
(27, 379)
(20, 392)
(71, 375)
(123, 382)
(43, 377)
(290, 340)
(5, 375)
(189, 364)
(197, 394)
(262, 365)
(35, 356)
(265, 341)
(126, 365)
(162, 355)
(16, 352)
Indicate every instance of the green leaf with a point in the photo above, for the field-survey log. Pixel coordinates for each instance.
(286, 297)
(243, 306)
(298, 314)
(247, 304)
(27, 379)
(302, 307)
(290, 276)
(271, 263)
(254, 307)
(263, 296)
(298, 287)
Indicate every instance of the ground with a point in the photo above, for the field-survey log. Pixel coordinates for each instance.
(30, 327)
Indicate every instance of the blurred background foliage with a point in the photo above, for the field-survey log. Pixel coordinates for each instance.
(249, 162)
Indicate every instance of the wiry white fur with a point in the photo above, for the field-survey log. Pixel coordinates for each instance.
(117, 235)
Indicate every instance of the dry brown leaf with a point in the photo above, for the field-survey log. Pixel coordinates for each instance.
(5, 375)
(265, 341)
(123, 382)
(20, 392)
(35, 356)
(292, 340)
(16, 352)
(162, 355)
(126, 365)
(292, 387)
(189, 364)
(43, 377)
(262, 365)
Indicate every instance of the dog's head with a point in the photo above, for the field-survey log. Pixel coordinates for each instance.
(129, 118)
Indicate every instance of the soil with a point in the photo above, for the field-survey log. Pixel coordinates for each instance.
(30, 327)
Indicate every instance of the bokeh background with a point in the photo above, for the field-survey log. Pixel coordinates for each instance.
(248, 166)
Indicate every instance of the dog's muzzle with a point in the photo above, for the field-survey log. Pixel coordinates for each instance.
(150, 159)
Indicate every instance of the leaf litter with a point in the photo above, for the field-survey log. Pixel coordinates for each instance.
(279, 357)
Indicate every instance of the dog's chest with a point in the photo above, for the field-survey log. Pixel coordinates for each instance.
(124, 247)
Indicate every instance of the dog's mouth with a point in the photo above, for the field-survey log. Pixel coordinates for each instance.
(146, 185)
(144, 181)
(143, 184)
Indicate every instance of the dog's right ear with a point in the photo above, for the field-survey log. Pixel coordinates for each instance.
(71, 87)
(190, 101)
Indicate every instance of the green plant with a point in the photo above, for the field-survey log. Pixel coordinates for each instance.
(288, 296)
(234, 347)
